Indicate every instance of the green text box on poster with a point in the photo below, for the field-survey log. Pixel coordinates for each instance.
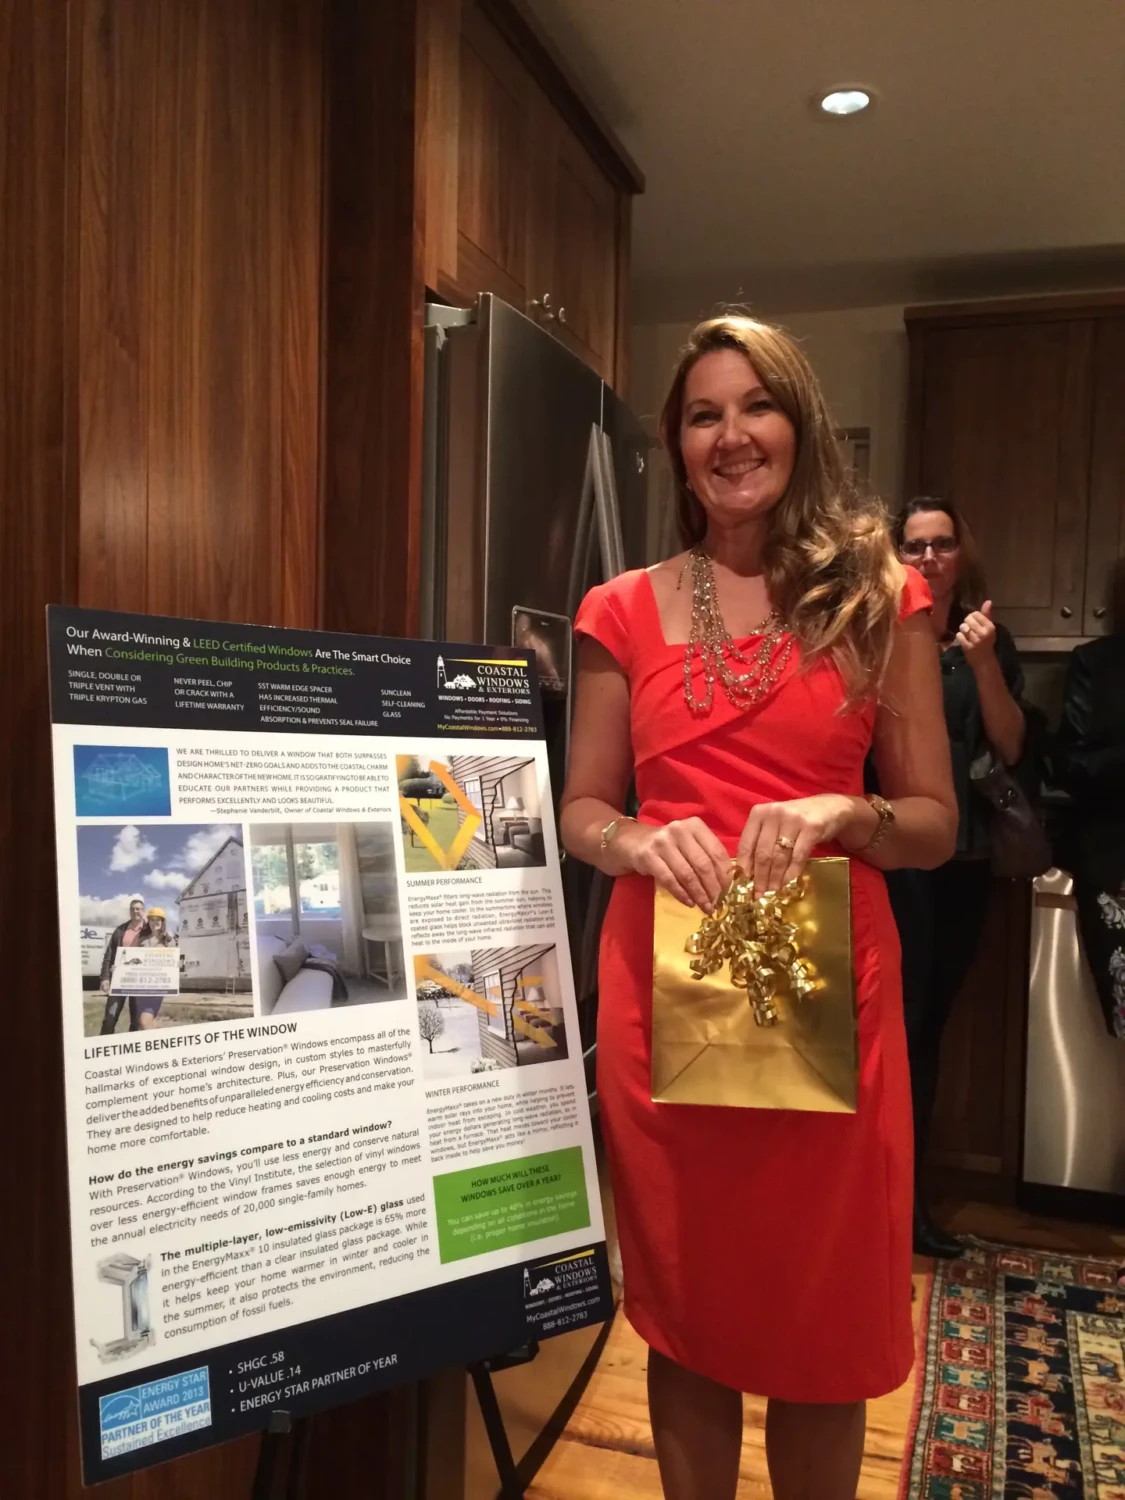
(510, 1203)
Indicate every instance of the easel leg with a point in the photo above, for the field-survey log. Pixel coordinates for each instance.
(295, 1487)
(280, 1425)
(510, 1485)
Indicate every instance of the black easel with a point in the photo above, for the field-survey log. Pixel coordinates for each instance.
(281, 1425)
(511, 1485)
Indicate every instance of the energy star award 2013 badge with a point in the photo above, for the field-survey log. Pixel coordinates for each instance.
(153, 1413)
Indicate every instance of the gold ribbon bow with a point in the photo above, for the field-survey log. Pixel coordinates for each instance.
(751, 934)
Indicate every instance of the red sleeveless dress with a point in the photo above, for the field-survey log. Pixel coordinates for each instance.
(769, 1250)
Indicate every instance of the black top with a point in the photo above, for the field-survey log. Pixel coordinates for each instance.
(967, 738)
(964, 723)
(1090, 760)
(111, 948)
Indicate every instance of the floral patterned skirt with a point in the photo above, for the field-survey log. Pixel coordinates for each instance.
(1101, 920)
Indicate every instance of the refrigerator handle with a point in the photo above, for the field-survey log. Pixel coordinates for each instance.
(579, 557)
(608, 509)
(432, 592)
(600, 504)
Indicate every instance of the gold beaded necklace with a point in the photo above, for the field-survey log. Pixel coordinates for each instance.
(715, 646)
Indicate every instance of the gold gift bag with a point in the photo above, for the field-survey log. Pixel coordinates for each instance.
(790, 1041)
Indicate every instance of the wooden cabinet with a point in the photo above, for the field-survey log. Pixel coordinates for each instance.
(495, 130)
(1015, 417)
(1005, 436)
(575, 246)
(526, 195)
(974, 1149)
(461, 158)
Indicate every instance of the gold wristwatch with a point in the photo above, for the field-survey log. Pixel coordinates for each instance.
(609, 832)
(886, 820)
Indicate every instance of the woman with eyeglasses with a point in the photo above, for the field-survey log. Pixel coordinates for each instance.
(144, 1009)
(940, 913)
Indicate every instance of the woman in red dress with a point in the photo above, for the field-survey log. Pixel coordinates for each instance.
(743, 683)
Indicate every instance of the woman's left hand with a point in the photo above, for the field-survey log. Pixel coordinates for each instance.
(977, 635)
(779, 837)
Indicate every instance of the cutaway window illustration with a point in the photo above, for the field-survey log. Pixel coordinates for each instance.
(131, 1275)
(488, 1008)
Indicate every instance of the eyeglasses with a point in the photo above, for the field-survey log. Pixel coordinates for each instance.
(941, 546)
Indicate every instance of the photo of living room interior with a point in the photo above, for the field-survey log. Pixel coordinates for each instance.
(512, 825)
(326, 915)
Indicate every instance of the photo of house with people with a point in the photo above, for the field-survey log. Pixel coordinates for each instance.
(489, 1008)
(189, 895)
(326, 915)
(470, 812)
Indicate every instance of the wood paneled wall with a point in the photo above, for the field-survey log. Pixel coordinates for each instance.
(38, 1456)
(374, 319)
(199, 267)
(166, 375)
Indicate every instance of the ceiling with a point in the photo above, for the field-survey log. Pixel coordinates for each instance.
(991, 163)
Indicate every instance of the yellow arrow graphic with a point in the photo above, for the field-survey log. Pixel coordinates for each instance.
(424, 969)
(446, 859)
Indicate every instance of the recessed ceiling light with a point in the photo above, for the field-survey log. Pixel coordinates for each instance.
(839, 104)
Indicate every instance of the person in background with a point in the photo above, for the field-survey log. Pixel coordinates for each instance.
(940, 912)
(744, 681)
(1090, 765)
(125, 936)
(144, 1009)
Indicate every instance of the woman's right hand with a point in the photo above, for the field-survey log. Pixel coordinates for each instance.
(684, 858)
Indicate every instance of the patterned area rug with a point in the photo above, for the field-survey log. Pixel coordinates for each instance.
(1021, 1380)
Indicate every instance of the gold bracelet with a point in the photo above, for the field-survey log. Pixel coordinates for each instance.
(886, 820)
(611, 828)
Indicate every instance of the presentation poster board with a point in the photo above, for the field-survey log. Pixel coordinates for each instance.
(326, 1107)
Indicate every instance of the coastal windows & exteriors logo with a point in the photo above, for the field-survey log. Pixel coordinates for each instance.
(569, 1276)
(490, 674)
(457, 681)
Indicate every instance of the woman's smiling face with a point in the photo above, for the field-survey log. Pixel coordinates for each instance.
(738, 445)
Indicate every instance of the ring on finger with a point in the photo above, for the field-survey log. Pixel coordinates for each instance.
(781, 842)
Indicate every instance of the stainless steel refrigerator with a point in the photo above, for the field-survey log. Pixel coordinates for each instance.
(535, 488)
(1074, 1088)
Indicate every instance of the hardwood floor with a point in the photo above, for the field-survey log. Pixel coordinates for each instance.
(1010, 1226)
(606, 1452)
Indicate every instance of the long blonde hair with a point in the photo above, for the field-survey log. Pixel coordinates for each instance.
(829, 562)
